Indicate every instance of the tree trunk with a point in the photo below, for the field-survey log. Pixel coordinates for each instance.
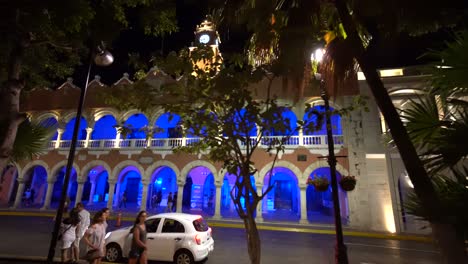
(10, 116)
(422, 184)
(253, 239)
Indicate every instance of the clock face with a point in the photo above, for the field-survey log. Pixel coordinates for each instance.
(205, 38)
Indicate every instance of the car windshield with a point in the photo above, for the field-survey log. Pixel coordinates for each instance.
(200, 225)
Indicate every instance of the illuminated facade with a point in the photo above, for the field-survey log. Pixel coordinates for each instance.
(109, 164)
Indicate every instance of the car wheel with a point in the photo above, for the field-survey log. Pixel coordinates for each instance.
(113, 252)
(183, 257)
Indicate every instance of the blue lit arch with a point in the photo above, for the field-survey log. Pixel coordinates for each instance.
(335, 120)
(105, 128)
(169, 125)
(68, 133)
(136, 122)
(290, 117)
(50, 122)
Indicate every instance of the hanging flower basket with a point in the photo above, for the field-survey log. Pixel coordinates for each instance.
(348, 183)
(320, 183)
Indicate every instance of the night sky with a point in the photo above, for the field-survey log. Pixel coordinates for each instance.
(400, 51)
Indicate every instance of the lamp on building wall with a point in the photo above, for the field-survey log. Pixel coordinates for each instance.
(101, 57)
(341, 256)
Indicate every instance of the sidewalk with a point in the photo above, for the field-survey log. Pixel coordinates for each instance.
(128, 217)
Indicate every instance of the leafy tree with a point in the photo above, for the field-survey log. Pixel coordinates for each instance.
(217, 106)
(360, 24)
(438, 125)
(43, 41)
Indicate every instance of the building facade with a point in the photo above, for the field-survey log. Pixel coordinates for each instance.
(127, 171)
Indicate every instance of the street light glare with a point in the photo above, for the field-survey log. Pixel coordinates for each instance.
(104, 58)
(317, 55)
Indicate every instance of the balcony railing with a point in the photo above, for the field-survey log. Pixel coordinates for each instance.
(319, 141)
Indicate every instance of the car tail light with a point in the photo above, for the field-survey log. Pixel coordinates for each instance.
(198, 239)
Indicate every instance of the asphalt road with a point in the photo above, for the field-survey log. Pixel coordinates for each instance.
(30, 236)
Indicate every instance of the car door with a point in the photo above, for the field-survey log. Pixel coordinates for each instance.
(152, 226)
(172, 234)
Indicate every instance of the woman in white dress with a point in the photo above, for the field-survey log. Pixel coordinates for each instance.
(68, 233)
(95, 239)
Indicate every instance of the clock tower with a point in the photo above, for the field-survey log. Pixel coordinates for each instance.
(206, 35)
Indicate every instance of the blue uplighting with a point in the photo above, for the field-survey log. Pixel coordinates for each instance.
(168, 123)
(335, 120)
(137, 121)
(67, 135)
(104, 128)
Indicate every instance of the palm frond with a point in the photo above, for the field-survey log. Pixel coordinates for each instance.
(31, 140)
(449, 74)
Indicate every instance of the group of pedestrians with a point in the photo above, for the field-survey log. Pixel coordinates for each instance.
(171, 201)
(78, 226)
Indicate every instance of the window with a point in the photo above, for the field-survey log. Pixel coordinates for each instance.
(200, 225)
(172, 226)
(152, 225)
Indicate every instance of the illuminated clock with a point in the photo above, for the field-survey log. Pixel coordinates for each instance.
(204, 39)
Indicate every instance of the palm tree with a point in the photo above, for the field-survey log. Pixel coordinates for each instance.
(438, 125)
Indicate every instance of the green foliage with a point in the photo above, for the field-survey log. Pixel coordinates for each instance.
(31, 140)
(56, 34)
(449, 72)
(453, 193)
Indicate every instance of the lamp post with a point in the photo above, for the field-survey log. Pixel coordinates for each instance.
(100, 57)
(341, 256)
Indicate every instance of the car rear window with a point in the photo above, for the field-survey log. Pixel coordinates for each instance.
(200, 225)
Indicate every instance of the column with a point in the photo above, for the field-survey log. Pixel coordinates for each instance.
(91, 193)
(19, 193)
(259, 216)
(117, 137)
(149, 136)
(110, 201)
(89, 130)
(180, 196)
(217, 214)
(48, 198)
(301, 137)
(59, 137)
(144, 197)
(303, 203)
(79, 192)
(116, 201)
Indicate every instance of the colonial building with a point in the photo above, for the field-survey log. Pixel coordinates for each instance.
(110, 165)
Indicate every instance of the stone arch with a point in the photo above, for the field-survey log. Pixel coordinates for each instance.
(315, 101)
(183, 175)
(161, 163)
(31, 165)
(43, 116)
(320, 164)
(69, 115)
(154, 116)
(116, 171)
(126, 115)
(223, 172)
(89, 166)
(53, 175)
(280, 163)
(98, 114)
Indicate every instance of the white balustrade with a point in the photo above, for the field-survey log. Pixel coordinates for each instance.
(169, 143)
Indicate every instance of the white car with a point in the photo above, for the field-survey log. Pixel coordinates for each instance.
(175, 237)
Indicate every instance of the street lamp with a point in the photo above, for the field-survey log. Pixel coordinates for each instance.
(101, 57)
(341, 256)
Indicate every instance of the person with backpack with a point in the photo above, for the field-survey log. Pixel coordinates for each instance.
(67, 235)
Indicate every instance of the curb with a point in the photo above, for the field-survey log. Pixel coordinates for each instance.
(326, 230)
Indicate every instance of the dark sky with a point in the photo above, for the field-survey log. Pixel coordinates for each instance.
(395, 52)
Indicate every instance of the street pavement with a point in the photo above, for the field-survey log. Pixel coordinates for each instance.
(30, 237)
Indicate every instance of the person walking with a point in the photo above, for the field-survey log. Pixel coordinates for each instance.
(158, 199)
(82, 227)
(169, 202)
(95, 239)
(138, 248)
(123, 200)
(174, 202)
(68, 235)
(105, 214)
(32, 196)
